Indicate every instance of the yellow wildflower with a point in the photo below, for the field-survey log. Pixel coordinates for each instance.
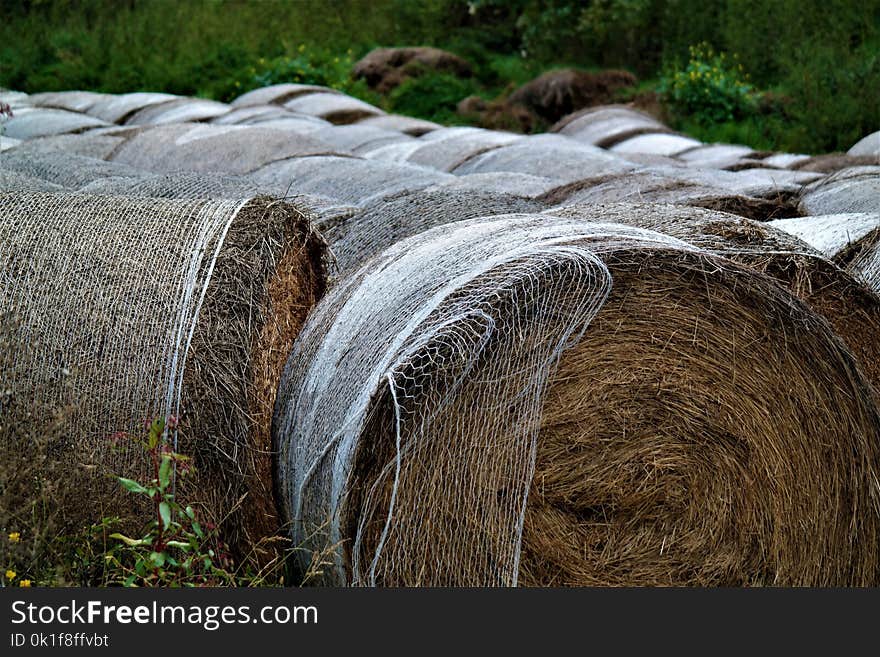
(25, 583)
(10, 575)
(15, 537)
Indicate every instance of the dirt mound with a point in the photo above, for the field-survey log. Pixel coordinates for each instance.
(386, 68)
(831, 162)
(557, 93)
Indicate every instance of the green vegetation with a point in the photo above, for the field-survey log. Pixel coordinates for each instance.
(814, 66)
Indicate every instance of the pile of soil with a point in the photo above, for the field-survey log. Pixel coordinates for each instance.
(386, 68)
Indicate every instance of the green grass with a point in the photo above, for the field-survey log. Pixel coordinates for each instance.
(823, 57)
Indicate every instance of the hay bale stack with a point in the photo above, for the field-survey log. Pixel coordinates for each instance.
(161, 307)
(523, 401)
(209, 148)
(830, 291)
(855, 189)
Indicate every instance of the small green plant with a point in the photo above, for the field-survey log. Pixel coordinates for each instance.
(175, 549)
(710, 89)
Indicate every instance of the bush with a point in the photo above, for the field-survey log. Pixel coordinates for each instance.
(710, 89)
(431, 96)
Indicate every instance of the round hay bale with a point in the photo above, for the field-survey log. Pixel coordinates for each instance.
(389, 219)
(448, 153)
(188, 185)
(405, 124)
(89, 144)
(866, 265)
(349, 180)
(72, 101)
(606, 126)
(396, 152)
(232, 149)
(181, 110)
(518, 184)
(838, 296)
(117, 108)
(656, 144)
(647, 186)
(519, 400)
(302, 124)
(188, 311)
(785, 160)
(549, 156)
(833, 162)
(869, 145)
(29, 123)
(12, 181)
(69, 171)
(277, 94)
(856, 189)
(338, 109)
(356, 137)
(716, 156)
(253, 114)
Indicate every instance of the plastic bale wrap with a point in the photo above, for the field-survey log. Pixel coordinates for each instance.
(518, 400)
(856, 189)
(161, 307)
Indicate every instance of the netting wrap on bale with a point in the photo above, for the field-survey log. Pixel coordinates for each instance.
(161, 307)
(519, 400)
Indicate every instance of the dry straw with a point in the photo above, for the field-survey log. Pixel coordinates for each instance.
(840, 297)
(520, 400)
(161, 307)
